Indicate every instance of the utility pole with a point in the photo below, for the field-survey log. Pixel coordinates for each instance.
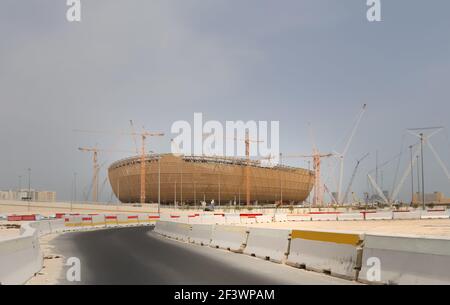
(281, 182)
(159, 185)
(29, 184)
(412, 174)
(29, 188)
(418, 178)
(423, 174)
(175, 197)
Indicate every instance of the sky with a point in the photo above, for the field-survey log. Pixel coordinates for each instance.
(159, 61)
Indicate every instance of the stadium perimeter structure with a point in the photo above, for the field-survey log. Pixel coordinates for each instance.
(191, 179)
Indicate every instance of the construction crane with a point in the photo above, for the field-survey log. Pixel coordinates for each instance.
(341, 156)
(143, 135)
(133, 132)
(96, 167)
(316, 158)
(247, 142)
(352, 179)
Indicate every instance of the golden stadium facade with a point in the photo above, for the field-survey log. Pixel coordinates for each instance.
(191, 179)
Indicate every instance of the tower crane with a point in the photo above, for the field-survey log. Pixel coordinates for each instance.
(352, 179)
(341, 156)
(247, 142)
(143, 135)
(96, 167)
(317, 159)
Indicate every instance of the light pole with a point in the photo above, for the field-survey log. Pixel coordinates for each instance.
(159, 185)
(29, 188)
(423, 174)
(418, 178)
(412, 175)
(20, 183)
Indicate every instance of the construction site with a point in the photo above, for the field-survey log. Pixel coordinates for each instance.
(185, 144)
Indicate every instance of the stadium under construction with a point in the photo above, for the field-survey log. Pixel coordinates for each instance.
(173, 178)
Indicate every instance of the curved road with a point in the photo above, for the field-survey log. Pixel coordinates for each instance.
(140, 256)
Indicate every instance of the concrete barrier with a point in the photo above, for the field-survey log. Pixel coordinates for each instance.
(247, 220)
(175, 230)
(304, 217)
(133, 219)
(73, 221)
(405, 260)
(350, 216)
(111, 220)
(98, 220)
(232, 219)
(270, 244)
(435, 214)
(122, 219)
(406, 214)
(264, 219)
(201, 234)
(86, 221)
(335, 253)
(161, 227)
(324, 217)
(280, 218)
(20, 257)
(379, 216)
(232, 238)
(207, 219)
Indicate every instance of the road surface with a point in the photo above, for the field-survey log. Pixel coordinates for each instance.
(140, 256)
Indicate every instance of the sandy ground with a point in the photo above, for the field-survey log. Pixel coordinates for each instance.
(53, 264)
(424, 227)
(9, 229)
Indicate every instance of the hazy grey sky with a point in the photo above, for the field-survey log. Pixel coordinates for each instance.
(158, 61)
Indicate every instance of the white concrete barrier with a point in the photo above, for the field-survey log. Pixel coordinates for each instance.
(280, 217)
(435, 214)
(176, 230)
(350, 216)
(228, 237)
(406, 215)
(122, 219)
(161, 227)
(98, 220)
(232, 219)
(379, 216)
(270, 244)
(323, 217)
(405, 260)
(132, 219)
(73, 221)
(86, 221)
(299, 217)
(248, 220)
(201, 234)
(20, 257)
(111, 220)
(264, 219)
(208, 219)
(219, 219)
(336, 253)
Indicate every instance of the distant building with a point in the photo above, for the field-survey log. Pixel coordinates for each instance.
(25, 194)
(434, 198)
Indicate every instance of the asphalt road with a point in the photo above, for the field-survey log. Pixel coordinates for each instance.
(140, 256)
